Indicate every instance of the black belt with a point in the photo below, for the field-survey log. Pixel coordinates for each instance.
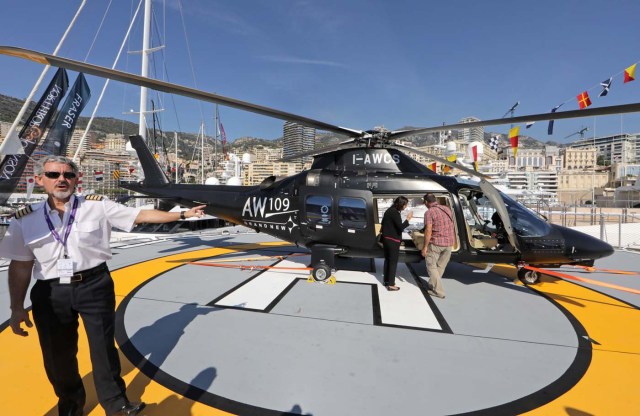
(85, 274)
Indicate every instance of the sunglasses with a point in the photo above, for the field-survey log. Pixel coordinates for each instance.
(56, 175)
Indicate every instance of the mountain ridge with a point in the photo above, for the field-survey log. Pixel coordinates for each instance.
(10, 106)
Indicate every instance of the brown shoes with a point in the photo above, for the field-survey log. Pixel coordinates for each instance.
(432, 293)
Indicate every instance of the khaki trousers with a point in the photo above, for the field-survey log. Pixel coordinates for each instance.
(437, 260)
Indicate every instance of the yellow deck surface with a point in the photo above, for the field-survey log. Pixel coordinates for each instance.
(609, 387)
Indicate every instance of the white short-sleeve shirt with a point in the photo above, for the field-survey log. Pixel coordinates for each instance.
(29, 237)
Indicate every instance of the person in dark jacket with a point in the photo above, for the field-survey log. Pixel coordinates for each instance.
(391, 229)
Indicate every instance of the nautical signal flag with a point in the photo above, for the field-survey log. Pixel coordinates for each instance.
(452, 159)
(474, 151)
(513, 138)
(583, 100)
(433, 166)
(494, 143)
(630, 73)
(98, 175)
(605, 87)
(550, 127)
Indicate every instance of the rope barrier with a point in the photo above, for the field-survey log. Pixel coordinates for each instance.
(260, 258)
(583, 280)
(596, 269)
(244, 267)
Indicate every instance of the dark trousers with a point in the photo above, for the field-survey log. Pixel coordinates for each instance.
(55, 312)
(391, 253)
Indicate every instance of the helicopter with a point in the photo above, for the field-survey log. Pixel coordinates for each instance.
(334, 209)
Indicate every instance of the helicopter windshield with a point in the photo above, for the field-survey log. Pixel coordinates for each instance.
(525, 222)
(481, 215)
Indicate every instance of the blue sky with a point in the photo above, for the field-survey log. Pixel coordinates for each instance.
(353, 63)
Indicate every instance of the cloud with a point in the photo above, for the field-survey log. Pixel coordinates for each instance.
(214, 14)
(301, 61)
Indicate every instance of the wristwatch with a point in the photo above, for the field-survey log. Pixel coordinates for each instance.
(182, 217)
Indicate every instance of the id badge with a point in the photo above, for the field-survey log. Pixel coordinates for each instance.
(65, 270)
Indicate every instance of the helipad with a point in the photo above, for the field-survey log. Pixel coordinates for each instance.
(252, 341)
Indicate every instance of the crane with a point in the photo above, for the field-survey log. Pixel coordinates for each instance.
(512, 109)
(580, 132)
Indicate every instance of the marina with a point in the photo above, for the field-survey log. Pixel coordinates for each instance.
(270, 287)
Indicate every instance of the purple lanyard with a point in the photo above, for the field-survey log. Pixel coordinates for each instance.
(67, 229)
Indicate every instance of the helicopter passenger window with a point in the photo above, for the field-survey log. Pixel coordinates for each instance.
(318, 209)
(352, 212)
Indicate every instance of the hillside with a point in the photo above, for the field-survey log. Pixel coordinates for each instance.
(9, 107)
(102, 126)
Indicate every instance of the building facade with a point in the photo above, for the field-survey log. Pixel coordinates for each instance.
(579, 158)
(257, 172)
(298, 138)
(471, 134)
(617, 148)
(578, 187)
(547, 158)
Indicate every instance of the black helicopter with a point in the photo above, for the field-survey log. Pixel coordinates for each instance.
(335, 207)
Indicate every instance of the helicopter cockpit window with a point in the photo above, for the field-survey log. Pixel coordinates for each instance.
(352, 212)
(318, 209)
(525, 223)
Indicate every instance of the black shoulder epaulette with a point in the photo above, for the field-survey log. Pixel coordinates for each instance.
(23, 211)
(94, 197)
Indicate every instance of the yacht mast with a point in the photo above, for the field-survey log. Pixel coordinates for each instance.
(215, 141)
(202, 155)
(175, 139)
(146, 44)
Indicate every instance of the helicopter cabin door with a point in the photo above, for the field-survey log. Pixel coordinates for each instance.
(498, 203)
(336, 216)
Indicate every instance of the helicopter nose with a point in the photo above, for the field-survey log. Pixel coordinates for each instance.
(581, 246)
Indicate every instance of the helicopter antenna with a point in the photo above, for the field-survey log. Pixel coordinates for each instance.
(511, 110)
(580, 132)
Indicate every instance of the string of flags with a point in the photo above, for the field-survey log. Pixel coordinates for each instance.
(583, 98)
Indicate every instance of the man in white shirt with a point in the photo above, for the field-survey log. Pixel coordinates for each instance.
(63, 243)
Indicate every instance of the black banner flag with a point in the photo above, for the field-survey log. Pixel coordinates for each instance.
(12, 166)
(60, 133)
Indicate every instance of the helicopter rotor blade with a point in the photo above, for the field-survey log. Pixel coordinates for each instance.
(314, 152)
(441, 160)
(170, 88)
(587, 112)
